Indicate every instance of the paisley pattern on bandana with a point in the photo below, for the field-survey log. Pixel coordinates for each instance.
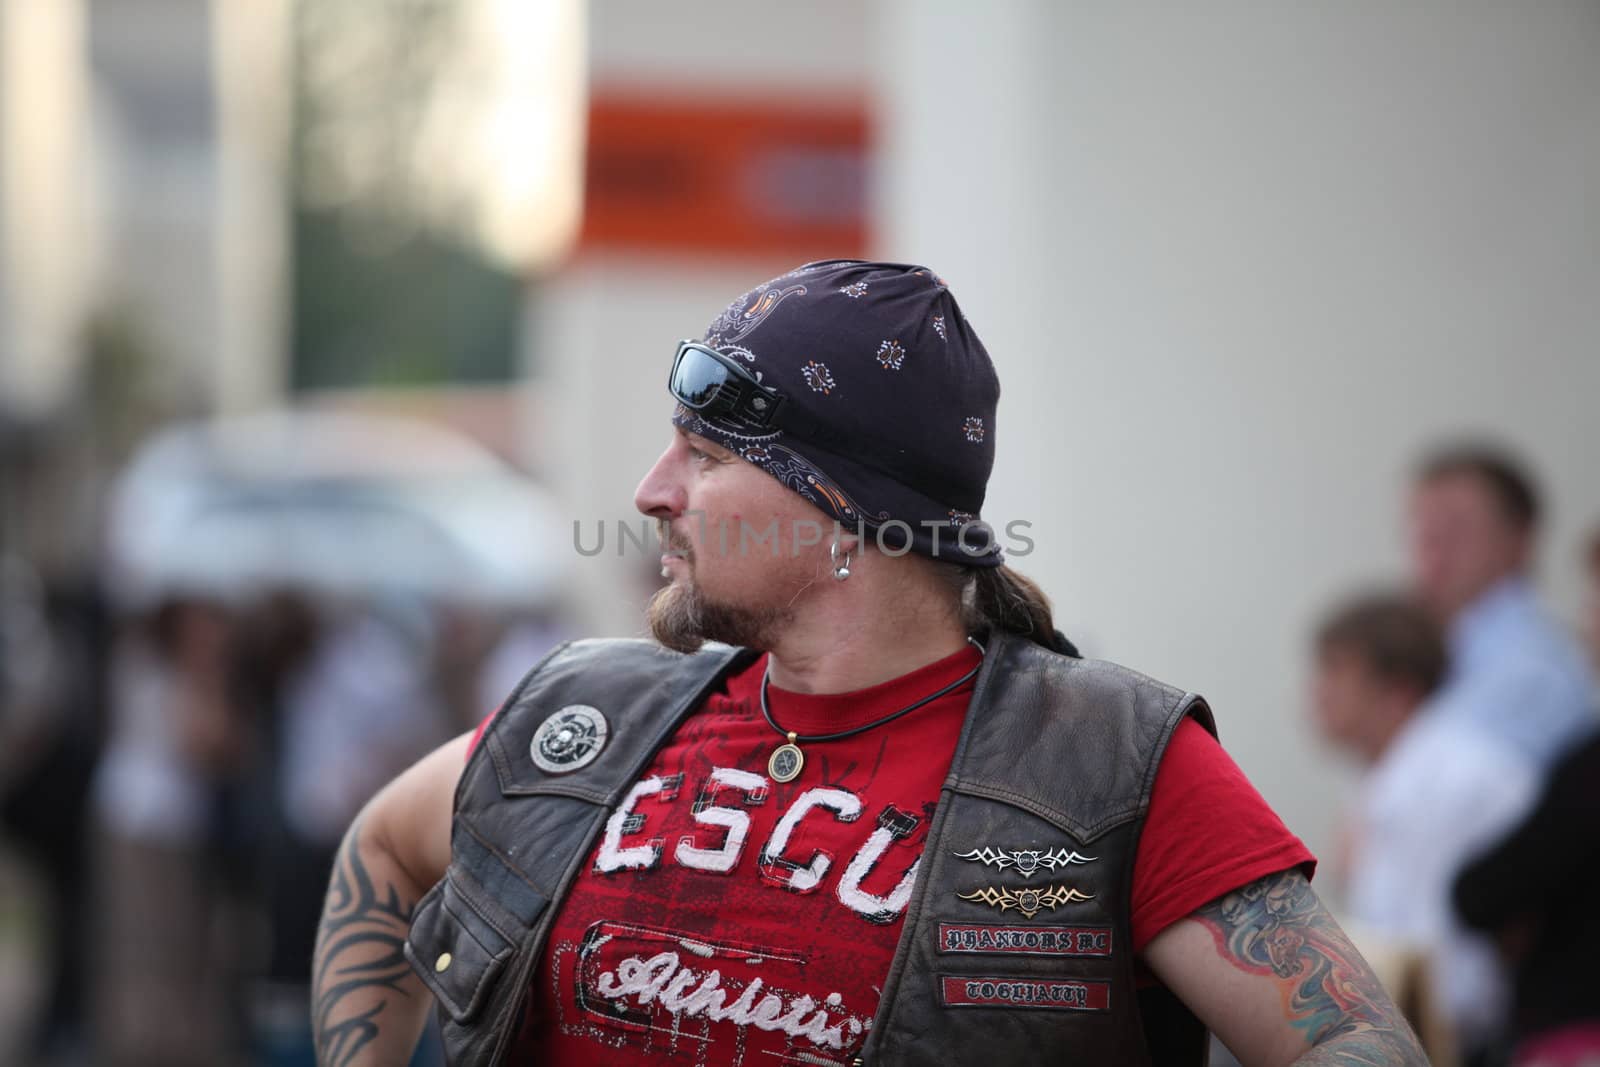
(973, 428)
(734, 440)
(748, 312)
(790, 468)
(854, 290)
(818, 377)
(796, 472)
(938, 327)
(891, 354)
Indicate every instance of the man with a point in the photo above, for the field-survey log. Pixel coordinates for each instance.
(1592, 603)
(1474, 522)
(1437, 790)
(1533, 892)
(889, 819)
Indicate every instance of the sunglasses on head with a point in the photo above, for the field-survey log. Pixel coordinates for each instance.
(714, 385)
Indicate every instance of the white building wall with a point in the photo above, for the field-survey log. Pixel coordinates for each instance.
(1237, 266)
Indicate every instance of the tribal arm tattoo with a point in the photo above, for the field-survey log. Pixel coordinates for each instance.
(1278, 929)
(366, 1004)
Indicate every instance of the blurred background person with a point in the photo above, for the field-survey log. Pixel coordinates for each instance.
(1435, 788)
(51, 674)
(361, 704)
(1513, 670)
(1534, 894)
(177, 742)
(1592, 599)
(357, 702)
(365, 567)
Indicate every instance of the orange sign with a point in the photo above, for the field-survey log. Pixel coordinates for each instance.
(706, 176)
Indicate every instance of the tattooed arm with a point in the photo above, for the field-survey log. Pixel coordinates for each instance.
(367, 1007)
(1271, 973)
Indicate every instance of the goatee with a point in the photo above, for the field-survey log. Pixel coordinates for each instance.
(682, 619)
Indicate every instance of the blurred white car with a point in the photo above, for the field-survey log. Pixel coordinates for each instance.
(334, 502)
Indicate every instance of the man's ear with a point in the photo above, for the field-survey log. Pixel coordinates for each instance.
(844, 535)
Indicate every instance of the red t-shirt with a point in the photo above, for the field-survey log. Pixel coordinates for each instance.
(730, 919)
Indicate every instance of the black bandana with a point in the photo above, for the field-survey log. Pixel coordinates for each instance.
(880, 354)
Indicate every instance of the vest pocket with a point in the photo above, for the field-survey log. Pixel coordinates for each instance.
(461, 939)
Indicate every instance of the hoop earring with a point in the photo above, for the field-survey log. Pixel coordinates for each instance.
(841, 571)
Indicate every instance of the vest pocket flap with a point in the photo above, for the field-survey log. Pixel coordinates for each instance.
(460, 943)
(499, 891)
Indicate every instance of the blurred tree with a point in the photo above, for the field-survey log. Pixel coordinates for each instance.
(131, 385)
(390, 286)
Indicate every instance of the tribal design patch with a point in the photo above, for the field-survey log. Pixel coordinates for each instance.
(1029, 902)
(1027, 861)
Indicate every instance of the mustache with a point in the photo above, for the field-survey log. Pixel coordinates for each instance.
(672, 541)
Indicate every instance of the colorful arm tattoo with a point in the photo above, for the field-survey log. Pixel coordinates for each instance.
(1276, 927)
(359, 954)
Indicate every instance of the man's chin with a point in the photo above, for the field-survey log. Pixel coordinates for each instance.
(682, 619)
(673, 615)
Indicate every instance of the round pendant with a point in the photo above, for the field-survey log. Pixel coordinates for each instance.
(785, 762)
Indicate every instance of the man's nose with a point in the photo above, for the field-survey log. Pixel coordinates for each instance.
(661, 493)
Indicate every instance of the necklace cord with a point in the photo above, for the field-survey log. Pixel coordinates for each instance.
(794, 738)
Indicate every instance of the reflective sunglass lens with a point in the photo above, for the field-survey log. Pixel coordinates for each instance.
(697, 377)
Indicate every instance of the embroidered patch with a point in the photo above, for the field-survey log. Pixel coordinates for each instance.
(1027, 861)
(569, 740)
(1026, 940)
(1028, 901)
(986, 992)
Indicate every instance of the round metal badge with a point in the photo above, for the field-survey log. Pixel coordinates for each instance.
(569, 740)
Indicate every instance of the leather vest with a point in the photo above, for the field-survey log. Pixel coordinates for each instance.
(1015, 946)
